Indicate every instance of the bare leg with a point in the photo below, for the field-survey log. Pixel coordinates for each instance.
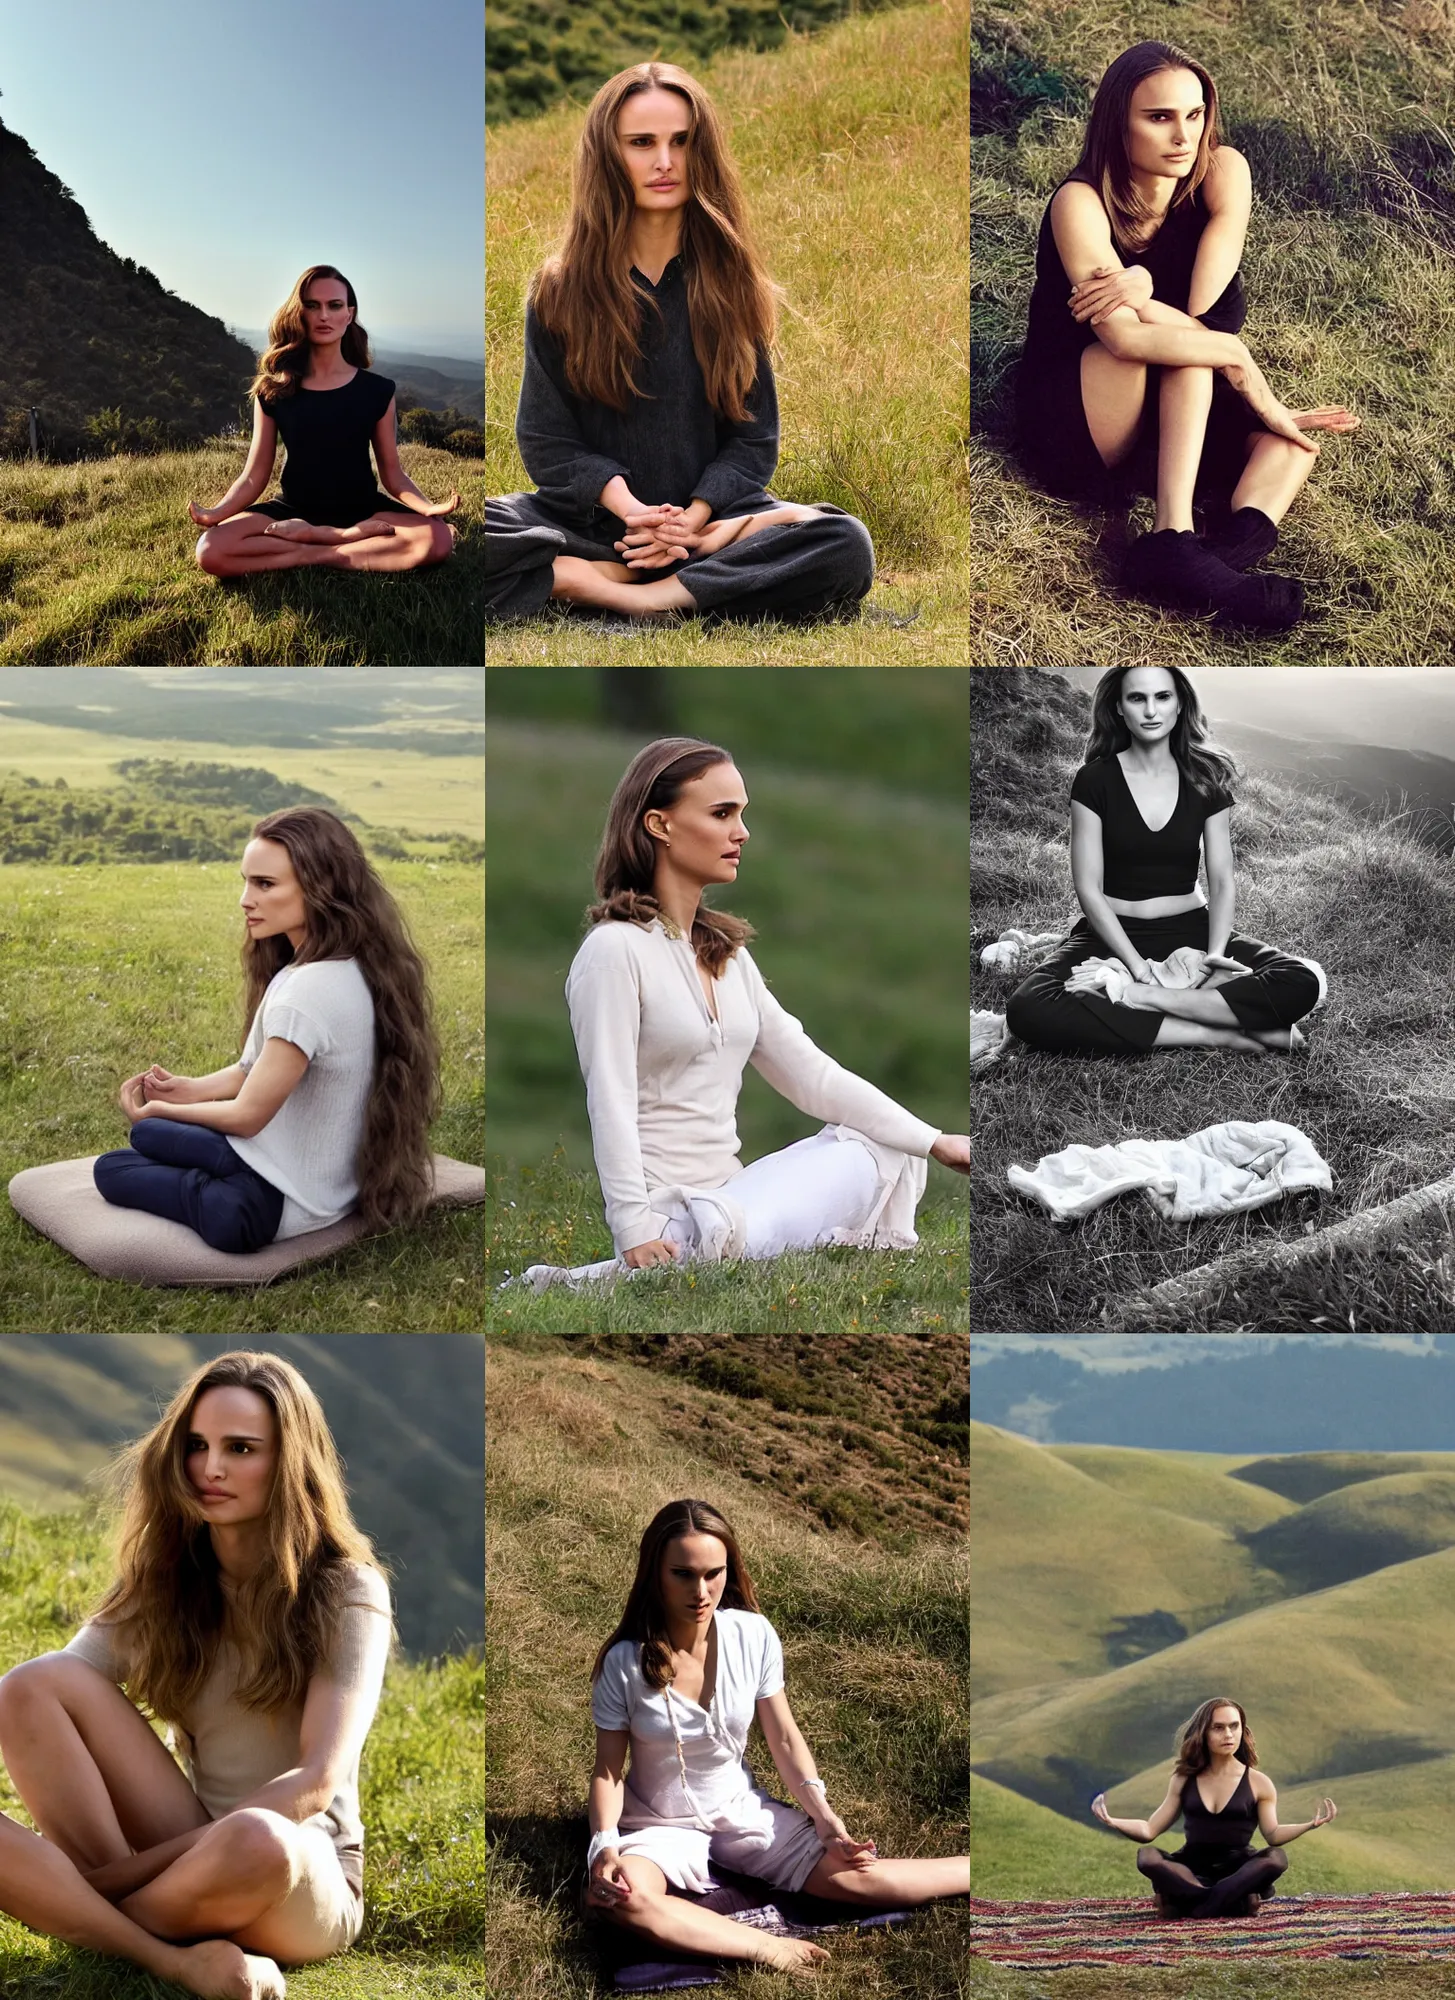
(1112, 395)
(681, 1926)
(242, 1867)
(1184, 400)
(1175, 1034)
(1273, 477)
(890, 1885)
(577, 581)
(243, 547)
(41, 1888)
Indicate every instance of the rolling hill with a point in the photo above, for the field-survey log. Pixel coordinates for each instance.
(1345, 1670)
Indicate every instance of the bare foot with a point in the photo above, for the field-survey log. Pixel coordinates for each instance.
(793, 1955)
(219, 1970)
(1282, 1041)
(306, 531)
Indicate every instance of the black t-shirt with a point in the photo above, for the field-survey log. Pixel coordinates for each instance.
(328, 476)
(1137, 863)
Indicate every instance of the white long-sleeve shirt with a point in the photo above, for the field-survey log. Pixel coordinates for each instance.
(663, 1077)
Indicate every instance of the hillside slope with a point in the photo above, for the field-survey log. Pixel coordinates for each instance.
(1375, 907)
(87, 331)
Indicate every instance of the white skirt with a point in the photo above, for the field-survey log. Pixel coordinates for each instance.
(837, 1187)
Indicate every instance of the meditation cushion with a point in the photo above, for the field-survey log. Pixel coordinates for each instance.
(61, 1201)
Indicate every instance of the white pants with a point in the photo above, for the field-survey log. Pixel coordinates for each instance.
(779, 1844)
(826, 1189)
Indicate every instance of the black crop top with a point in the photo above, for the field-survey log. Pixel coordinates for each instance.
(1233, 1827)
(1137, 863)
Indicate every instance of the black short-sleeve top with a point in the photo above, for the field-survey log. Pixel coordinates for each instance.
(1138, 864)
(328, 475)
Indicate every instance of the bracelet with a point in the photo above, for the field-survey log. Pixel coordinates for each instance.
(608, 1837)
(814, 1785)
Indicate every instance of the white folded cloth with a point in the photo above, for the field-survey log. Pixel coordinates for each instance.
(1018, 951)
(1183, 967)
(988, 1037)
(1221, 1170)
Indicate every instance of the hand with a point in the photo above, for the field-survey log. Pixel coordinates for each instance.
(1327, 1811)
(1328, 417)
(1106, 289)
(608, 1885)
(160, 1085)
(1218, 968)
(1252, 385)
(656, 536)
(205, 517)
(132, 1100)
(952, 1149)
(838, 1840)
(646, 1255)
(1098, 1809)
(433, 508)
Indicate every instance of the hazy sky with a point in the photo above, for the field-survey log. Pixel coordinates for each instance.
(1405, 708)
(226, 147)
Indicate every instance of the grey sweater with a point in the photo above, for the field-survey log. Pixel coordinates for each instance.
(669, 444)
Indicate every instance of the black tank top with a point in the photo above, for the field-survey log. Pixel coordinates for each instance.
(1233, 1827)
(328, 475)
(1138, 864)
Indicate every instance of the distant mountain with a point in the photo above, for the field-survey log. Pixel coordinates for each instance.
(438, 381)
(407, 1412)
(1369, 774)
(84, 331)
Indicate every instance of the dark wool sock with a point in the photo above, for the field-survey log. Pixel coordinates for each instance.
(1245, 538)
(1172, 567)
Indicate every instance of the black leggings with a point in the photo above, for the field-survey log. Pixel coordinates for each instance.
(1277, 991)
(1183, 1884)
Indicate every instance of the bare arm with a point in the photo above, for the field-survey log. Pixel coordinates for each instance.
(252, 480)
(1086, 875)
(165, 1088)
(793, 1761)
(392, 476)
(1217, 847)
(1280, 1836)
(267, 1085)
(1142, 1830)
(1083, 239)
(1227, 193)
(603, 1811)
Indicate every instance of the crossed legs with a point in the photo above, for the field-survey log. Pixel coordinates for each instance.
(1189, 1896)
(610, 585)
(248, 544)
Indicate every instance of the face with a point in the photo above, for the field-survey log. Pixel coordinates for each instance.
(272, 902)
(1164, 123)
(232, 1451)
(693, 1577)
(1224, 1732)
(651, 132)
(1149, 704)
(326, 309)
(704, 829)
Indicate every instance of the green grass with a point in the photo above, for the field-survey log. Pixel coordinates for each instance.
(1016, 1847)
(103, 970)
(97, 569)
(1375, 1091)
(583, 1450)
(852, 147)
(1346, 270)
(420, 1794)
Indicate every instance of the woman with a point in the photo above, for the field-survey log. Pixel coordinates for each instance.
(250, 1614)
(648, 417)
(331, 511)
(667, 1008)
(677, 1684)
(1222, 1796)
(329, 1107)
(1133, 374)
(1152, 793)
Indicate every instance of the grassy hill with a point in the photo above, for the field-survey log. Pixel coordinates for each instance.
(1347, 1687)
(97, 568)
(104, 969)
(582, 1453)
(420, 1794)
(1345, 268)
(1197, 1484)
(1366, 899)
(852, 146)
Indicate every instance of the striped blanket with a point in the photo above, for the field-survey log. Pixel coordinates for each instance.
(1109, 1931)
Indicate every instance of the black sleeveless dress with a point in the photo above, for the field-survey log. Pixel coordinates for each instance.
(328, 476)
(1218, 1843)
(1055, 443)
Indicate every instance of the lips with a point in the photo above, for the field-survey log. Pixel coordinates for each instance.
(663, 187)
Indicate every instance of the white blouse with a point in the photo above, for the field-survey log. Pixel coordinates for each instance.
(663, 1076)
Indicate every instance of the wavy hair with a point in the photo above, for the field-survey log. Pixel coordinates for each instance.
(1208, 769)
(626, 864)
(350, 914)
(168, 1592)
(1190, 1743)
(645, 1616)
(285, 360)
(584, 295)
(1104, 162)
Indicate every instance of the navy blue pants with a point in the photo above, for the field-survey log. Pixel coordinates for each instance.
(192, 1175)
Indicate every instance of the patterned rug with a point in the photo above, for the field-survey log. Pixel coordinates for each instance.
(1109, 1931)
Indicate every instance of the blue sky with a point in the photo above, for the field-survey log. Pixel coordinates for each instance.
(228, 147)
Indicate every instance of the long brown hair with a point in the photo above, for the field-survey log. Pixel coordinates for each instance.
(285, 360)
(627, 862)
(352, 915)
(168, 1594)
(584, 295)
(1104, 162)
(1208, 768)
(645, 1616)
(1190, 1743)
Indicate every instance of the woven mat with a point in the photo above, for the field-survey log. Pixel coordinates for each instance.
(1110, 1931)
(747, 1902)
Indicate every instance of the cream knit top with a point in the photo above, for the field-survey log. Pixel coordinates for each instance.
(663, 1077)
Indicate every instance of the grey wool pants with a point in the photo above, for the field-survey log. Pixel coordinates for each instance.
(803, 571)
